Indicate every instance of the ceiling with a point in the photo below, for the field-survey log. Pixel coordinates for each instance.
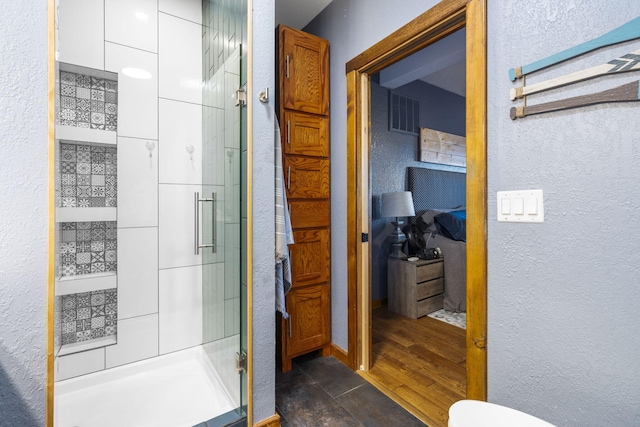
(441, 64)
(298, 13)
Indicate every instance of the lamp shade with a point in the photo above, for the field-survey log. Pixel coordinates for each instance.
(397, 204)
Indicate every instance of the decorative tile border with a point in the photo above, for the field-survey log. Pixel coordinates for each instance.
(89, 315)
(88, 175)
(88, 247)
(88, 102)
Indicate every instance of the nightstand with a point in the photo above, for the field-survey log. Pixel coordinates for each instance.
(415, 288)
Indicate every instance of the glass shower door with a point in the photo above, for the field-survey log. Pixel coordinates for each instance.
(222, 232)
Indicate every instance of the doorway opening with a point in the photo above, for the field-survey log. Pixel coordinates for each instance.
(437, 23)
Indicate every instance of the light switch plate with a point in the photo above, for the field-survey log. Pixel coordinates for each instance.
(520, 206)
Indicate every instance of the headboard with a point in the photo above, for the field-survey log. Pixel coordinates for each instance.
(433, 189)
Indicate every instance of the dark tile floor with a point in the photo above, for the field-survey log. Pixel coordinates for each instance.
(321, 391)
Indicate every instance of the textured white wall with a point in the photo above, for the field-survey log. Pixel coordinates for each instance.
(263, 50)
(23, 212)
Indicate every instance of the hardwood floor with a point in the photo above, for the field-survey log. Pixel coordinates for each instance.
(420, 364)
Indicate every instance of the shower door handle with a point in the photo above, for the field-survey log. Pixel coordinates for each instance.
(197, 201)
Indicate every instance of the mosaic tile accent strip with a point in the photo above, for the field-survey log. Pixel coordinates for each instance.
(89, 315)
(88, 247)
(88, 102)
(88, 176)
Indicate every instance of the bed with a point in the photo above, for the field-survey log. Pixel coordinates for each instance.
(439, 199)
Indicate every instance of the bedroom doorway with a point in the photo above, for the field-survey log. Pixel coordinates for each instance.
(442, 20)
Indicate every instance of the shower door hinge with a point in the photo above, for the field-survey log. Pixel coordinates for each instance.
(241, 97)
(241, 362)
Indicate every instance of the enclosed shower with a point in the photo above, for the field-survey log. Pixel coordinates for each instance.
(150, 290)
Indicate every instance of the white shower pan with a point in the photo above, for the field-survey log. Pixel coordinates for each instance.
(174, 390)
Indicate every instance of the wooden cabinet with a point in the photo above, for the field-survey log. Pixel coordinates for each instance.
(305, 134)
(304, 71)
(416, 288)
(303, 113)
(307, 325)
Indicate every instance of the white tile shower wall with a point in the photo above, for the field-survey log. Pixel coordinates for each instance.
(232, 257)
(137, 272)
(177, 226)
(208, 256)
(231, 316)
(73, 365)
(137, 183)
(180, 144)
(213, 301)
(81, 33)
(180, 59)
(137, 97)
(84, 26)
(185, 9)
(132, 23)
(180, 308)
(137, 340)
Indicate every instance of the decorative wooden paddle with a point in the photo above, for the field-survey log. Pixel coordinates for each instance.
(624, 93)
(628, 62)
(626, 32)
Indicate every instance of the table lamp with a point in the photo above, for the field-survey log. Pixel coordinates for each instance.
(398, 204)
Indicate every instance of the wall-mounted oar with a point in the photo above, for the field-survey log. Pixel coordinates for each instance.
(624, 93)
(628, 62)
(626, 32)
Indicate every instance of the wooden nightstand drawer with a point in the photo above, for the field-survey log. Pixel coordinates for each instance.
(415, 288)
(429, 305)
(429, 272)
(430, 288)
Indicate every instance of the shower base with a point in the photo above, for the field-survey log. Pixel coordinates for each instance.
(174, 390)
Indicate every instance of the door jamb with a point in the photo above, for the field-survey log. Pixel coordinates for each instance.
(436, 23)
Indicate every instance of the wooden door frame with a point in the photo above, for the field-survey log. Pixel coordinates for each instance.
(438, 22)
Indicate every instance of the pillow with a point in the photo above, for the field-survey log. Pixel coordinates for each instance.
(429, 215)
(452, 224)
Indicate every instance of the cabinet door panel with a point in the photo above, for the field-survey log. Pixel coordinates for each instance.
(305, 134)
(307, 178)
(305, 65)
(309, 213)
(309, 318)
(310, 261)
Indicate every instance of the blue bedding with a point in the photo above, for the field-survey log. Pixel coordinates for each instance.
(452, 224)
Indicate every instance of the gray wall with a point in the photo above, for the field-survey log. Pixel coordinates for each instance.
(23, 213)
(562, 296)
(393, 152)
(264, 333)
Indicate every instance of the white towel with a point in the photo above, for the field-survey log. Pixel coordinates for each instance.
(284, 232)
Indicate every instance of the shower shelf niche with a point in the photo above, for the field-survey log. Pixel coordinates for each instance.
(97, 136)
(86, 208)
(85, 283)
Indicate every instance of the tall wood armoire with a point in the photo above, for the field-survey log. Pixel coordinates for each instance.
(303, 113)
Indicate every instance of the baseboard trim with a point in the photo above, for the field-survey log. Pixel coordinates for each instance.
(272, 421)
(340, 354)
(378, 302)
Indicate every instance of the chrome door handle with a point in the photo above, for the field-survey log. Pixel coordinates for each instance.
(197, 201)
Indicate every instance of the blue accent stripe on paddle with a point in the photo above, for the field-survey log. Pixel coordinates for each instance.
(626, 32)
